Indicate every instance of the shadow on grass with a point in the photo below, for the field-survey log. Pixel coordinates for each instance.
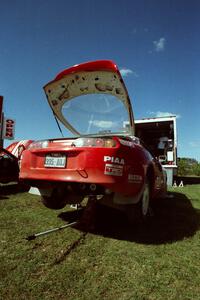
(174, 219)
(11, 189)
(71, 216)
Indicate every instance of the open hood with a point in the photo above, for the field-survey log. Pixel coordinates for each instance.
(91, 98)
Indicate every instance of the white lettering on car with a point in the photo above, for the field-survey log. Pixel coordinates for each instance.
(115, 160)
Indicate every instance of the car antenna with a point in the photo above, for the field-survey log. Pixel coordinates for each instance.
(58, 125)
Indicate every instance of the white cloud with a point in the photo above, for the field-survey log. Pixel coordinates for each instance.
(126, 72)
(160, 114)
(102, 124)
(160, 44)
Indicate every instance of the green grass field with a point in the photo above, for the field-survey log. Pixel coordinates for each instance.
(157, 260)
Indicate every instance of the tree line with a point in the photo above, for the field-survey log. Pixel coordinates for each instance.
(188, 167)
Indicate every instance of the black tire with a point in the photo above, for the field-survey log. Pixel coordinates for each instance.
(55, 201)
(145, 201)
(139, 212)
(52, 203)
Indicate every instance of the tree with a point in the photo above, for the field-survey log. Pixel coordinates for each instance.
(197, 169)
(188, 166)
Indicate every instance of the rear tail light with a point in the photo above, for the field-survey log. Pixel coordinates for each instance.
(38, 145)
(95, 142)
(80, 142)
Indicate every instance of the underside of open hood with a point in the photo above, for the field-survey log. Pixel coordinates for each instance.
(98, 77)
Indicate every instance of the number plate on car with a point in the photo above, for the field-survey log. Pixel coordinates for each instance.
(55, 162)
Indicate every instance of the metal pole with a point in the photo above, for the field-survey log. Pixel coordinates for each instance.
(34, 236)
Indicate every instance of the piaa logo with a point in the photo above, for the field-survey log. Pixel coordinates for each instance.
(115, 160)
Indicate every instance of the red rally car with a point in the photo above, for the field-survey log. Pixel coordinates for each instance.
(102, 158)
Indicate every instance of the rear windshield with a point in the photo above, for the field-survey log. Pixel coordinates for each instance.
(96, 113)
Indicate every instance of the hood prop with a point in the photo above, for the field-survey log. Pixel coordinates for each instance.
(58, 125)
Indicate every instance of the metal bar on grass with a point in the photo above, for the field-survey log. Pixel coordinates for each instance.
(34, 236)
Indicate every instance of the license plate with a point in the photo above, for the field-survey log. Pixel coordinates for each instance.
(55, 162)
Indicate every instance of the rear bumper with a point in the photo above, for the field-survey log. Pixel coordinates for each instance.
(109, 167)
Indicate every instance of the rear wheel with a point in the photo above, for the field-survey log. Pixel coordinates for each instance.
(145, 200)
(139, 212)
(56, 200)
(52, 203)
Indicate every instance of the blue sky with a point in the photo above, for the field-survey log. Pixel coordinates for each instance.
(155, 43)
